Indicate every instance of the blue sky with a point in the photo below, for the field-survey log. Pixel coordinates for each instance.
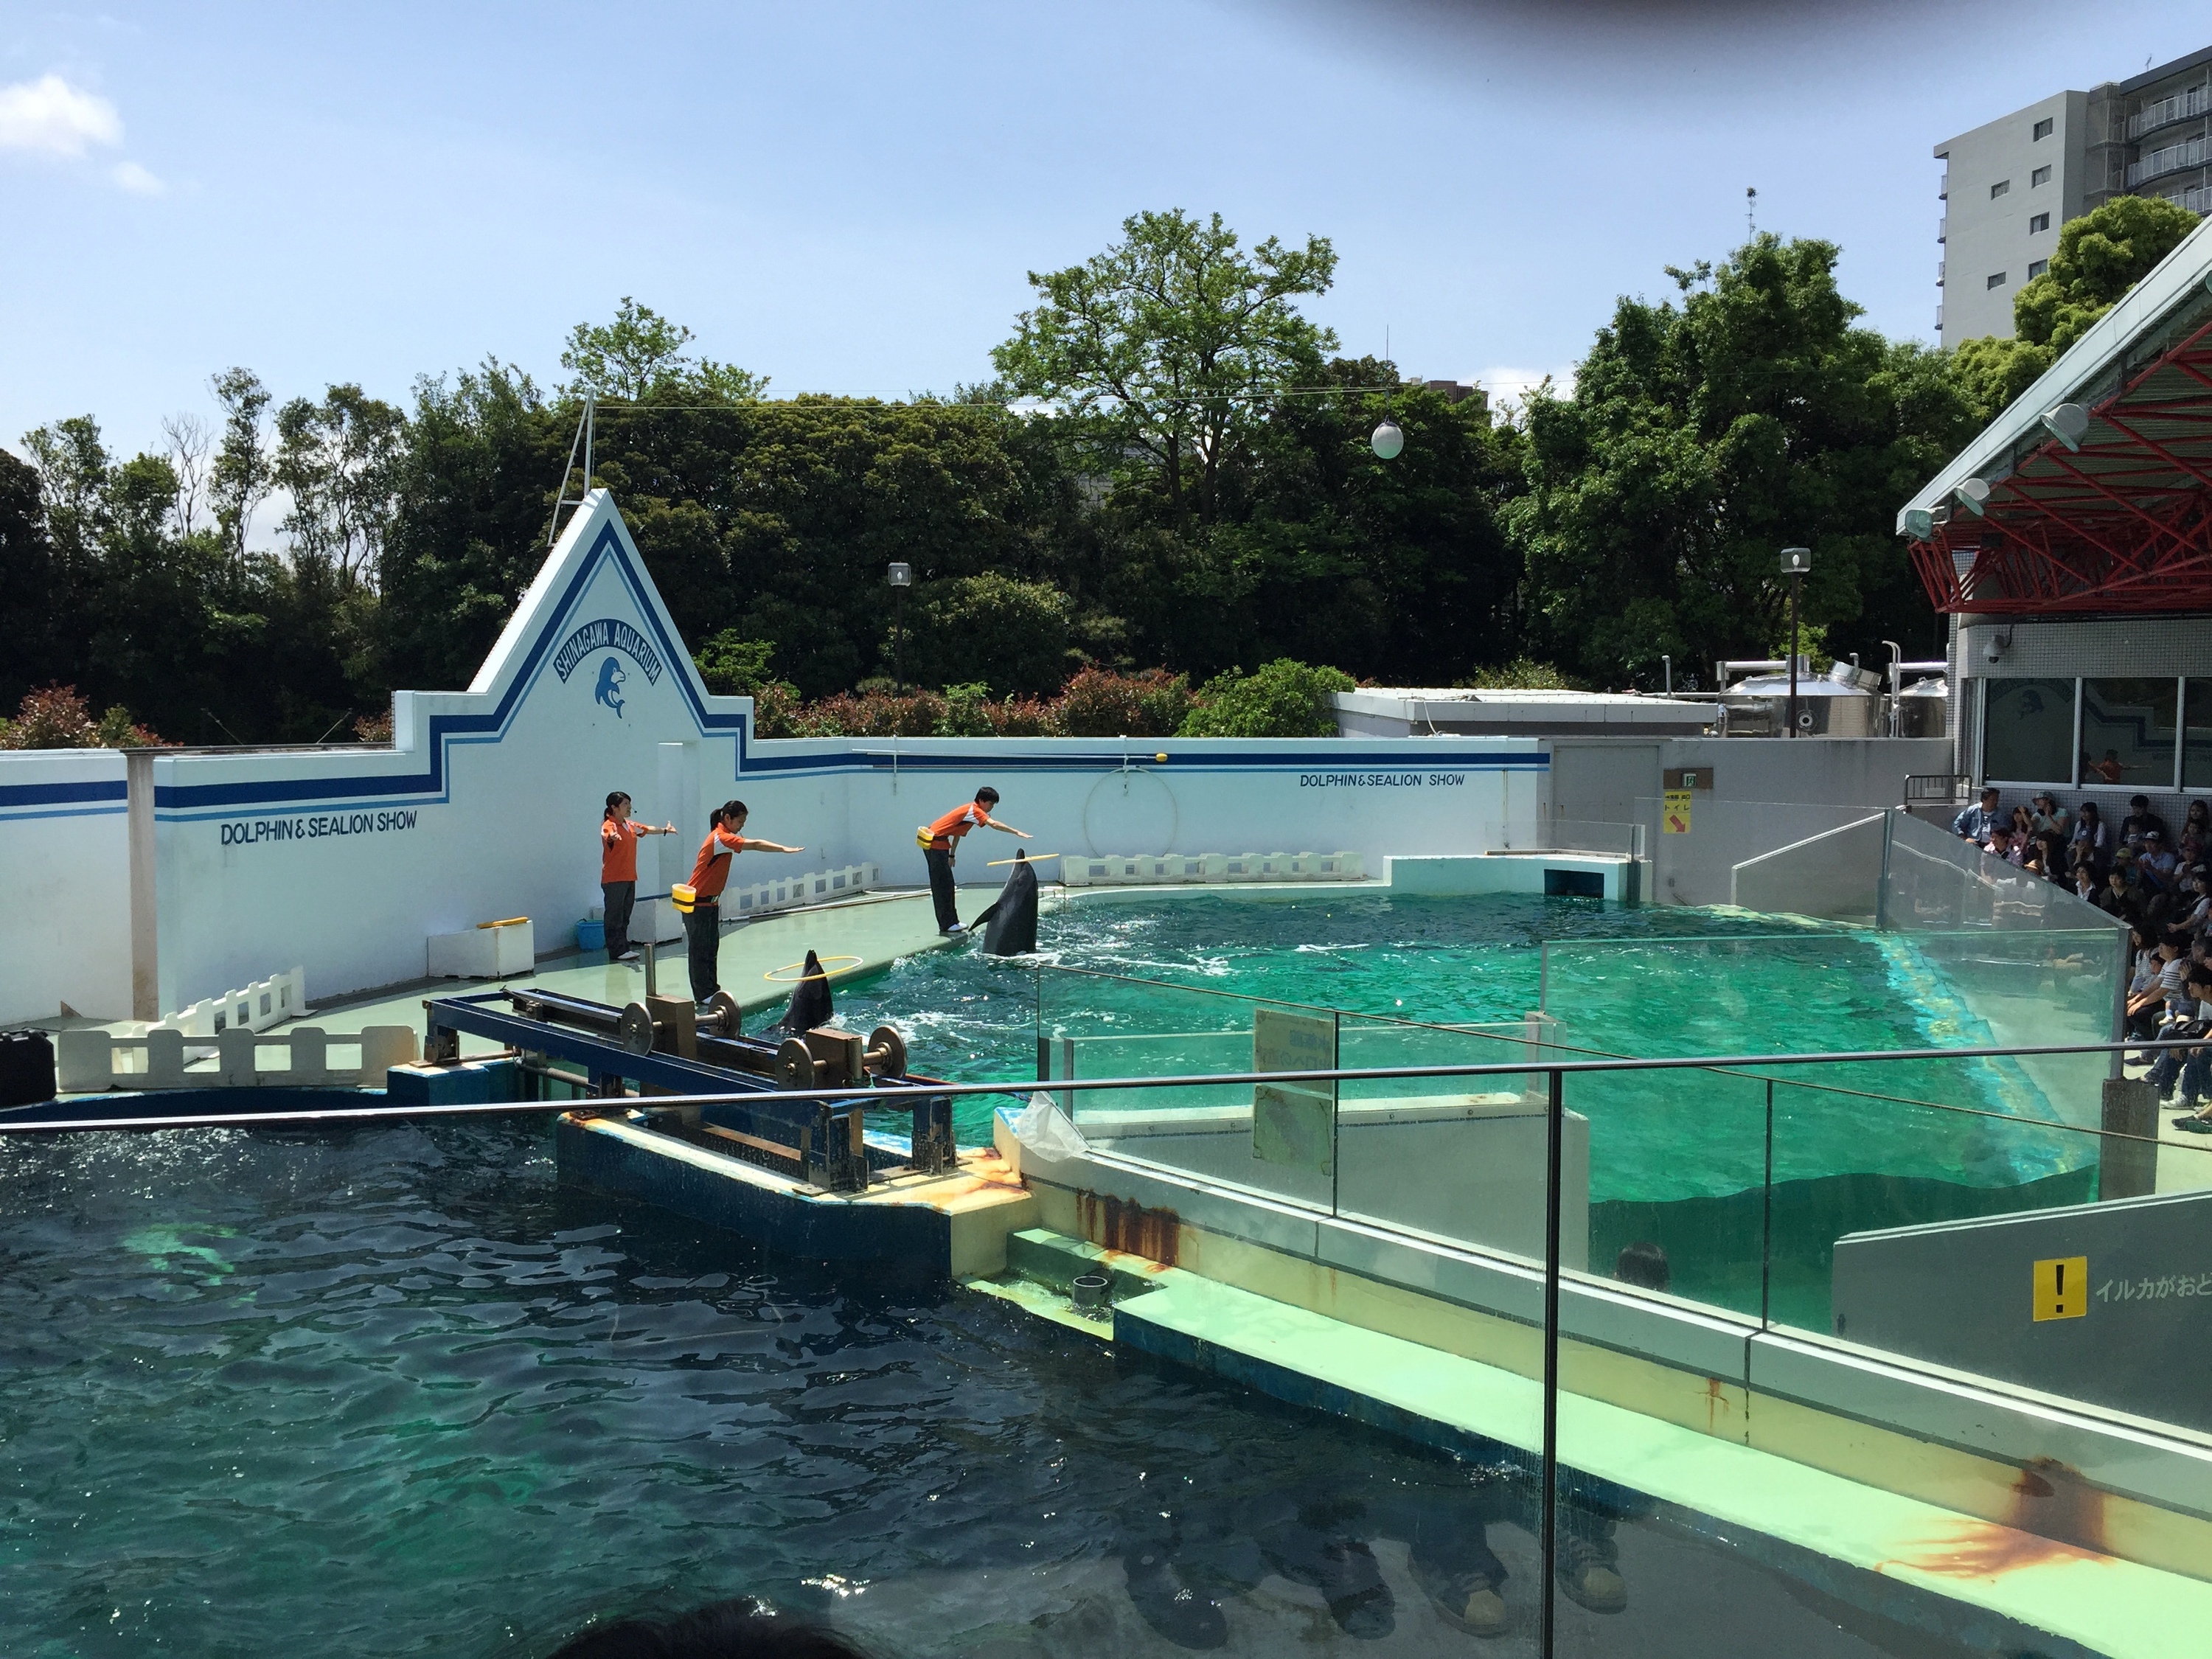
(846, 197)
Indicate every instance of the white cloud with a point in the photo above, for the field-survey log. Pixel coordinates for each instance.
(130, 176)
(50, 117)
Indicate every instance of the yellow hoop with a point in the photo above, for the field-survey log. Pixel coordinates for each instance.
(827, 970)
(1034, 858)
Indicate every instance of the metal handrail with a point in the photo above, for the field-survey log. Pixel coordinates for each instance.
(884, 1094)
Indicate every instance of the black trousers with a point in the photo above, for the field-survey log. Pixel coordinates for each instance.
(703, 936)
(621, 898)
(941, 889)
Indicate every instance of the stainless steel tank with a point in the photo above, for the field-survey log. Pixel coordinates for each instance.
(1840, 704)
(1922, 709)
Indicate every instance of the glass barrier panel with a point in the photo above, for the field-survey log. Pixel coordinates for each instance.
(1935, 881)
(1667, 1190)
(2031, 1247)
(1456, 1158)
(1279, 1139)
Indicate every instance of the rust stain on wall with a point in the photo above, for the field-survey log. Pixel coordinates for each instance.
(1120, 1223)
(1717, 1402)
(2054, 1516)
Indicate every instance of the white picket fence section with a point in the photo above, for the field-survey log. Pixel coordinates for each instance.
(808, 887)
(256, 1008)
(95, 1061)
(1126, 870)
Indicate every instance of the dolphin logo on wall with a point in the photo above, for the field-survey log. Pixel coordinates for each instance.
(611, 677)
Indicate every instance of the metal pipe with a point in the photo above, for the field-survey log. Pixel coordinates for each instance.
(1554, 1116)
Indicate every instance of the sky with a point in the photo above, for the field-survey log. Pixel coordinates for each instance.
(847, 198)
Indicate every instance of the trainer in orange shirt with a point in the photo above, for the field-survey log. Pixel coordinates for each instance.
(710, 873)
(940, 844)
(618, 836)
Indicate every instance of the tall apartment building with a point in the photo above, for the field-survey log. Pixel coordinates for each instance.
(2008, 185)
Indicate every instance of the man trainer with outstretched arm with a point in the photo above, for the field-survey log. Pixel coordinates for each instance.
(940, 841)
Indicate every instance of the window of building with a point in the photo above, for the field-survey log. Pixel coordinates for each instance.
(2043, 127)
(2041, 176)
(2128, 731)
(2196, 736)
(2027, 731)
(2038, 221)
(1997, 280)
(2035, 269)
(1999, 188)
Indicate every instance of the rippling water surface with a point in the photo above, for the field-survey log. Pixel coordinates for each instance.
(391, 1392)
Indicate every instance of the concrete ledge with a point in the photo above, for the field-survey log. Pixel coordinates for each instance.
(1948, 1575)
(1897, 1426)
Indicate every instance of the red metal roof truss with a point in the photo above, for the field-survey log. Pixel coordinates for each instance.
(2124, 524)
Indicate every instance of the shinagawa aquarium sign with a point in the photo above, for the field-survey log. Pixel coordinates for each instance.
(608, 634)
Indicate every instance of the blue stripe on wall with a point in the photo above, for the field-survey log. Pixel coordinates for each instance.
(58, 794)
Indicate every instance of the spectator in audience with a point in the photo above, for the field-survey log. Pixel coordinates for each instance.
(2140, 821)
(2156, 863)
(2121, 897)
(2197, 834)
(2021, 822)
(2197, 886)
(2147, 1001)
(2049, 817)
(1973, 824)
(2089, 890)
(2092, 839)
(2004, 844)
(2190, 1068)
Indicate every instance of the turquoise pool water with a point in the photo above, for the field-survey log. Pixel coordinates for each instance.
(1656, 981)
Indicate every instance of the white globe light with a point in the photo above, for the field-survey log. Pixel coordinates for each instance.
(1387, 440)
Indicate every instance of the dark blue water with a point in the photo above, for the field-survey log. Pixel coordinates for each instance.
(391, 1392)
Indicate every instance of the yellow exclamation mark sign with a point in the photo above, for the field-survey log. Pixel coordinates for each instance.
(2062, 1288)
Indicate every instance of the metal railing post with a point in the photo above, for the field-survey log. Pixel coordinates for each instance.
(1554, 1117)
(1766, 1213)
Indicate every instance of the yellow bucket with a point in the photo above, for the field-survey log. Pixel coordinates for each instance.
(683, 897)
(922, 837)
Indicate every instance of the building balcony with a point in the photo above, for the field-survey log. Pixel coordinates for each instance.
(2181, 106)
(2173, 158)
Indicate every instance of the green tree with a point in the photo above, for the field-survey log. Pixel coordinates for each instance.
(2098, 257)
(477, 486)
(1705, 434)
(641, 354)
(733, 667)
(1285, 699)
(339, 460)
(241, 475)
(1010, 635)
(1168, 347)
(1394, 568)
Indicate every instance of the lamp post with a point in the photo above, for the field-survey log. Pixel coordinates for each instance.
(901, 578)
(1796, 562)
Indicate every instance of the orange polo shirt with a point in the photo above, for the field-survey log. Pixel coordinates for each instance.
(711, 872)
(948, 830)
(618, 850)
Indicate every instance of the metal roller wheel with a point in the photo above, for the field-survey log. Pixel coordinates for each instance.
(634, 1031)
(794, 1065)
(886, 1053)
(722, 1015)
